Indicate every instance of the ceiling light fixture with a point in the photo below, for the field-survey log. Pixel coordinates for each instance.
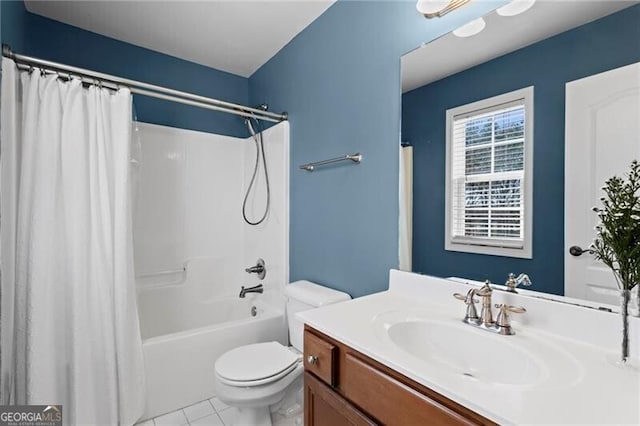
(516, 7)
(438, 8)
(470, 29)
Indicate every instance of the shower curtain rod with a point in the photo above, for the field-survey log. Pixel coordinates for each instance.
(144, 89)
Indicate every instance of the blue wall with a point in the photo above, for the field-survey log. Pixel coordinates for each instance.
(340, 82)
(34, 35)
(602, 45)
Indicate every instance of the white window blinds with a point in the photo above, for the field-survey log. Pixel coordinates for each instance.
(487, 176)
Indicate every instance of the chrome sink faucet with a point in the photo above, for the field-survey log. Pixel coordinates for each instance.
(501, 325)
(486, 315)
(513, 282)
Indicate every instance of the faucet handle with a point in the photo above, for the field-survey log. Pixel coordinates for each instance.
(471, 315)
(524, 279)
(468, 299)
(511, 308)
(502, 320)
(259, 268)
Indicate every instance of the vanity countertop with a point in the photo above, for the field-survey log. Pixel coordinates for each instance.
(579, 384)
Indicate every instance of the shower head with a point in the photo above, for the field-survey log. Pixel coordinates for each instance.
(250, 127)
(263, 107)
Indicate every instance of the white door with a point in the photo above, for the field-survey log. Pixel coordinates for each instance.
(602, 137)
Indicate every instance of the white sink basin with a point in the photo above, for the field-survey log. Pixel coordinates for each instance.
(478, 355)
(466, 351)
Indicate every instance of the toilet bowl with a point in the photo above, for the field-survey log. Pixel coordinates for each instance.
(255, 377)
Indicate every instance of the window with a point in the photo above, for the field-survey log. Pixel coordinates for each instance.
(489, 169)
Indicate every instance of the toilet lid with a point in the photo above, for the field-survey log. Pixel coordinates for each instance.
(255, 363)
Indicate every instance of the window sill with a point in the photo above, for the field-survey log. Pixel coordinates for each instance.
(465, 247)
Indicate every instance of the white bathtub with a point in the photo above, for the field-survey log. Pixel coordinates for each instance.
(181, 342)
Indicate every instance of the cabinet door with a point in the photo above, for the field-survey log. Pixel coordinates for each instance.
(392, 402)
(320, 358)
(324, 407)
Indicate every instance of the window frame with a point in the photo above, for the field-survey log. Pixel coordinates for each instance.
(481, 245)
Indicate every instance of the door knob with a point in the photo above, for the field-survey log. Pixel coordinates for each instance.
(578, 251)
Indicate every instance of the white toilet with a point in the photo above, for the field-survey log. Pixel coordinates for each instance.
(255, 377)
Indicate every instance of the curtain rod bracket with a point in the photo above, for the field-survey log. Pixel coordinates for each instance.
(6, 51)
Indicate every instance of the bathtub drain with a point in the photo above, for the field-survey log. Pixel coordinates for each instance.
(254, 311)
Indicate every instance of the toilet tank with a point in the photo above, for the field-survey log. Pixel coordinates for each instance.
(305, 295)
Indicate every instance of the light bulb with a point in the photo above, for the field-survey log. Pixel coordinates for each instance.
(470, 29)
(516, 7)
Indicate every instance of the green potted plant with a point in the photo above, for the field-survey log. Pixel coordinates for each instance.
(617, 242)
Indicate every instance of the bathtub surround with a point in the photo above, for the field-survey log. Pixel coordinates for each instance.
(607, 43)
(270, 239)
(188, 219)
(188, 203)
(70, 332)
(188, 210)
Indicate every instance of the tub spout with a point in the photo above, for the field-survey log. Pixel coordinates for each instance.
(255, 289)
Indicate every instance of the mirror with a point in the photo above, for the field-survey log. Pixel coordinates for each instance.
(467, 200)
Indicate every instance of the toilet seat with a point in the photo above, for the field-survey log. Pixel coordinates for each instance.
(256, 364)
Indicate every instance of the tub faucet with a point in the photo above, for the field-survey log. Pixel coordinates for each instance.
(255, 289)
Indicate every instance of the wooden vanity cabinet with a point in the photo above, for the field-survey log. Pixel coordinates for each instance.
(344, 387)
(325, 407)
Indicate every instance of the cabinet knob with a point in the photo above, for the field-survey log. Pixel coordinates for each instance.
(312, 359)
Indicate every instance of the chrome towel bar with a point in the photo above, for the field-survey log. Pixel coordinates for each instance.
(356, 158)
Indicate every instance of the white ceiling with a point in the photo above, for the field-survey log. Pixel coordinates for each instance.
(234, 36)
(449, 54)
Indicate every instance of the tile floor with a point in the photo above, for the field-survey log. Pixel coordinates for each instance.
(210, 412)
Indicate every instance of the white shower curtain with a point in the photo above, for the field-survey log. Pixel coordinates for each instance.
(68, 322)
(406, 209)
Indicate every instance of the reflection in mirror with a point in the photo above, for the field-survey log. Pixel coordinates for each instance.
(509, 134)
